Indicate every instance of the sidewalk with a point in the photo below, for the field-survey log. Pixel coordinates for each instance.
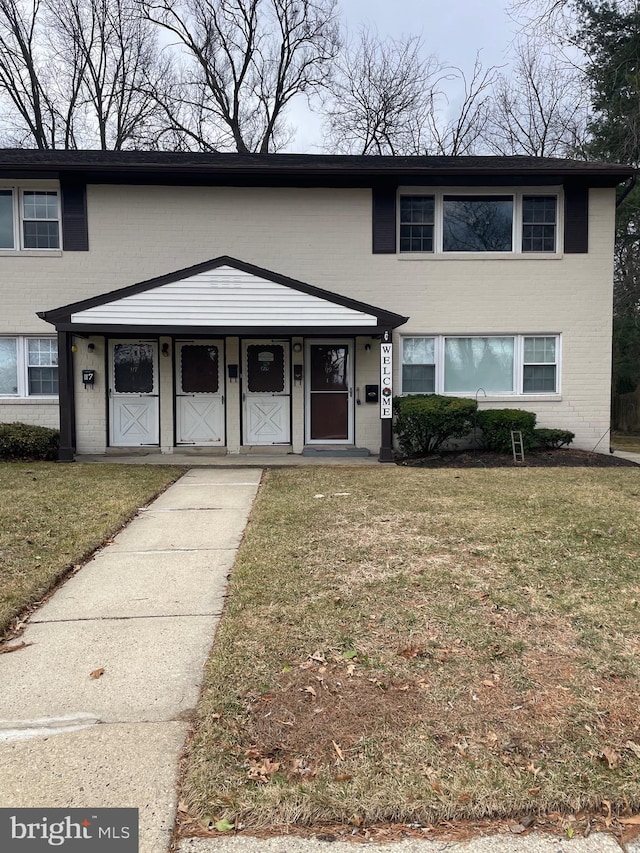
(145, 610)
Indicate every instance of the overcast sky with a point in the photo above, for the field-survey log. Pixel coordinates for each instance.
(453, 30)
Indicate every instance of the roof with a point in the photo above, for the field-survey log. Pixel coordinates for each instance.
(298, 169)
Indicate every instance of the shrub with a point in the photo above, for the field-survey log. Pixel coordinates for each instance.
(423, 422)
(26, 442)
(552, 439)
(497, 424)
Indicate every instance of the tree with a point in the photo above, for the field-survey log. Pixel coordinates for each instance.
(244, 62)
(541, 108)
(382, 95)
(79, 73)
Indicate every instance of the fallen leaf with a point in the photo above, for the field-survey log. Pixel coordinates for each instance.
(310, 690)
(634, 820)
(224, 825)
(634, 747)
(516, 828)
(5, 650)
(343, 777)
(97, 673)
(488, 683)
(351, 669)
(338, 750)
(611, 757)
(350, 654)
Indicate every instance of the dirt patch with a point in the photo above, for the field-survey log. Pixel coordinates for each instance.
(562, 458)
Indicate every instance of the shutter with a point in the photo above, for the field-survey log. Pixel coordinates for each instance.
(384, 221)
(576, 220)
(75, 233)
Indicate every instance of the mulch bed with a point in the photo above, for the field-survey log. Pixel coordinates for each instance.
(562, 458)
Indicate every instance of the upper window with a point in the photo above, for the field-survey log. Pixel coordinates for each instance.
(499, 364)
(29, 219)
(489, 222)
(28, 367)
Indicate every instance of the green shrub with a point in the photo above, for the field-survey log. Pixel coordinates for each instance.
(497, 424)
(27, 442)
(552, 439)
(423, 422)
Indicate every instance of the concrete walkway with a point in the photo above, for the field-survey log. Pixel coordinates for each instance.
(144, 610)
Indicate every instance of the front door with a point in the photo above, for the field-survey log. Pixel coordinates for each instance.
(199, 397)
(133, 393)
(266, 395)
(329, 409)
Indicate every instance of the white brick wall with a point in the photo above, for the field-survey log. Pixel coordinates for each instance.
(323, 237)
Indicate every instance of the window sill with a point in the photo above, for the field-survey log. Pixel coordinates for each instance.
(479, 256)
(29, 401)
(30, 253)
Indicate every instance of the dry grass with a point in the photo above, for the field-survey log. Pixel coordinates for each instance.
(411, 645)
(53, 516)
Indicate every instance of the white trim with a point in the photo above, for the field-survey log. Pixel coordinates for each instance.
(350, 344)
(22, 358)
(518, 364)
(17, 191)
(516, 193)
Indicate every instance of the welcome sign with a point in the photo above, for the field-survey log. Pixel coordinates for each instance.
(386, 377)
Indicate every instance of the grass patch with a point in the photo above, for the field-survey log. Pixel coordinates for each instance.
(53, 516)
(419, 645)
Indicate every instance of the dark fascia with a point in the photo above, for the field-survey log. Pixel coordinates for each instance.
(61, 317)
(166, 167)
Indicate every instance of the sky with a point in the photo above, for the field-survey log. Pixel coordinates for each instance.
(454, 30)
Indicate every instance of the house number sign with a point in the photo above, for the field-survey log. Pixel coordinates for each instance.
(386, 376)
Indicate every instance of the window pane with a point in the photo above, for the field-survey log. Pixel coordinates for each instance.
(43, 380)
(41, 235)
(540, 350)
(133, 366)
(418, 350)
(473, 363)
(416, 223)
(477, 223)
(42, 352)
(199, 369)
(418, 378)
(6, 220)
(539, 223)
(40, 205)
(8, 366)
(539, 378)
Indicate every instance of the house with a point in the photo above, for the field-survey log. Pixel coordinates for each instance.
(231, 303)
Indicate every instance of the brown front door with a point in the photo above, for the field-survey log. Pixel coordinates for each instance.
(329, 392)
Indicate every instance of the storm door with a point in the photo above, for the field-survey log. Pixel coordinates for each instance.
(199, 393)
(133, 393)
(329, 409)
(266, 394)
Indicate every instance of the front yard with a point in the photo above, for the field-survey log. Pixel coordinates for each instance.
(53, 516)
(418, 645)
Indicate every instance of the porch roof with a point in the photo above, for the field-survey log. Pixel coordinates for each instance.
(218, 297)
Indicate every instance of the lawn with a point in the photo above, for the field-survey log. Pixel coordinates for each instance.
(425, 645)
(53, 516)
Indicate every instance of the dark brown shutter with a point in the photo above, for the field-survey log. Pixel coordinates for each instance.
(384, 221)
(576, 220)
(75, 233)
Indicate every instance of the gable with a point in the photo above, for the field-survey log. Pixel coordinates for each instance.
(224, 294)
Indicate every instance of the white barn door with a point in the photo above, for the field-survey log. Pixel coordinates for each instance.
(266, 392)
(199, 397)
(133, 393)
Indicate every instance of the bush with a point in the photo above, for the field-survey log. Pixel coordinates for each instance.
(27, 442)
(423, 422)
(497, 424)
(552, 439)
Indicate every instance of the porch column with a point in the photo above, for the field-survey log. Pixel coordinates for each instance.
(66, 398)
(386, 397)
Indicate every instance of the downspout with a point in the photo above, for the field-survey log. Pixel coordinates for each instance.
(627, 189)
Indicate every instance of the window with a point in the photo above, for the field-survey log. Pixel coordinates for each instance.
(516, 223)
(28, 367)
(497, 365)
(29, 219)
(416, 223)
(477, 223)
(418, 365)
(539, 369)
(539, 223)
